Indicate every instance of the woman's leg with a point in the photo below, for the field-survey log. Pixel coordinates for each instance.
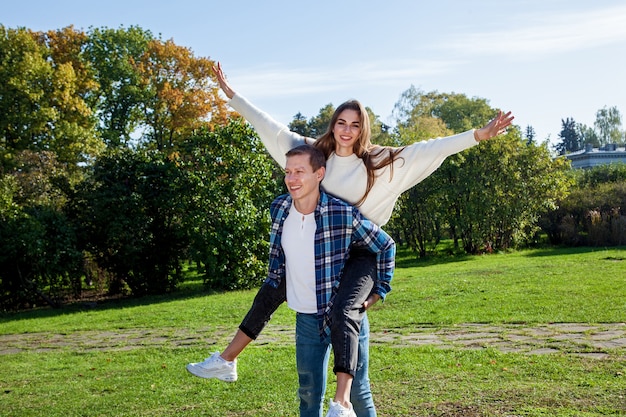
(265, 303)
(356, 285)
(223, 366)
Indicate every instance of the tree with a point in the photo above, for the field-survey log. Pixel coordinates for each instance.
(25, 75)
(587, 135)
(229, 216)
(506, 185)
(117, 102)
(570, 139)
(488, 196)
(40, 261)
(41, 96)
(530, 134)
(181, 95)
(130, 216)
(608, 125)
(318, 125)
(74, 132)
(299, 125)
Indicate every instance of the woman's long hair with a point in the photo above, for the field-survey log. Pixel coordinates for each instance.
(374, 157)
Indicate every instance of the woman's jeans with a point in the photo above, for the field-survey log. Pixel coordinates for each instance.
(356, 285)
(312, 362)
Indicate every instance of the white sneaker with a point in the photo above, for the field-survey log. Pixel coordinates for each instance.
(215, 367)
(338, 410)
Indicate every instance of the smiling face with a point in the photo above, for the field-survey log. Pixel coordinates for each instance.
(303, 183)
(346, 131)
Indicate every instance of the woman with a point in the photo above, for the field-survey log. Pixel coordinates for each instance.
(368, 176)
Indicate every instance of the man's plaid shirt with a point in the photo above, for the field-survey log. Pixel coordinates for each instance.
(339, 226)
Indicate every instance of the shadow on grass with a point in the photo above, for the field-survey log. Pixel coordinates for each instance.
(406, 258)
(189, 289)
(559, 251)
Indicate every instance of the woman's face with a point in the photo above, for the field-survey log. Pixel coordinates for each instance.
(346, 131)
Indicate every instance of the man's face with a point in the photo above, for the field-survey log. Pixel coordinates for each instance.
(302, 182)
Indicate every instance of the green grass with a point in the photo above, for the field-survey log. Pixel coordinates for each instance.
(130, 377)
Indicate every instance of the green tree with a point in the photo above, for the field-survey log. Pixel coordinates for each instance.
(40, 261)
(25, 77)
(117, 102)
(318, 125)
(508, 184)
(569, 136)
(130, 214)
(530, 134)
(234, 185)
(608, 125)
(42, 85)
(299, 125)
(587, 136)
(475, 194)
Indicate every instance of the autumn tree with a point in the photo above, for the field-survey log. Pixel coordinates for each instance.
(181, 95)
(43, 85)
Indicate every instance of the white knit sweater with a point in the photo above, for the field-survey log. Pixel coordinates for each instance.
(346, 177)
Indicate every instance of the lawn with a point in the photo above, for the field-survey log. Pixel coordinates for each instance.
(127, 358)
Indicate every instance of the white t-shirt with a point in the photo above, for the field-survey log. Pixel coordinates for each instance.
(298, 242)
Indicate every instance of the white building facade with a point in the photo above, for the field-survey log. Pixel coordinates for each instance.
(591, 157)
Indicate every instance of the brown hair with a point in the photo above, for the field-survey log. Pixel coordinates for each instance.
(316, 156)
(374, 157)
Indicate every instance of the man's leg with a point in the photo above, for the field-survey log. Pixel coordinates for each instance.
(361, 394)
(312, 362)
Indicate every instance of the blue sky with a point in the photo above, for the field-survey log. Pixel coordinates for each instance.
(545, 60)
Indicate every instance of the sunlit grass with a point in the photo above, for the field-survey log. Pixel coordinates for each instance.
(127, 378)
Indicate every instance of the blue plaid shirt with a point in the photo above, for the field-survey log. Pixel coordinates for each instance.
(339, 226)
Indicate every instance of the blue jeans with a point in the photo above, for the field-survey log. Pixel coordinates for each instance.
(312, 362)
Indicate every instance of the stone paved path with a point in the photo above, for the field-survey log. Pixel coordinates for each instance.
(591, 340)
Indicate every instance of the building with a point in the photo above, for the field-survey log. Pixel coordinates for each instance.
(591, 157)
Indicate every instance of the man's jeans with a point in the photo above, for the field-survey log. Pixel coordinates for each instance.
(312, 362)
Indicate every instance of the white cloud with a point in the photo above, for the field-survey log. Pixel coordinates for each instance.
(548, 34)
(273, 81)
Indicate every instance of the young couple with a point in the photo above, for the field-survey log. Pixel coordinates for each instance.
(369, 177)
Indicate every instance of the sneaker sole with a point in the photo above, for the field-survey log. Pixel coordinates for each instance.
(199, 373)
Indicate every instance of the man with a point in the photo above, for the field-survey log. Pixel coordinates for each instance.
(311, 237)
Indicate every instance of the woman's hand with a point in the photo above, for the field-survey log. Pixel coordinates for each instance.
(371, 300)
(495, 127)
(221, 79)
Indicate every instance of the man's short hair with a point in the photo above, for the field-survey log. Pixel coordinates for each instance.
(316, 156)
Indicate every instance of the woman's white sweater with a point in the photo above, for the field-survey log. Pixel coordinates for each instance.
(346, 177)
